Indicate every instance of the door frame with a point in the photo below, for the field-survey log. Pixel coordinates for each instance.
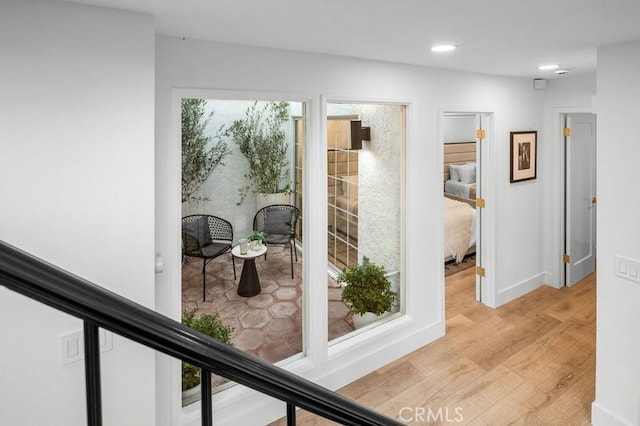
(485, 238)
(565, 195)
(558, 245)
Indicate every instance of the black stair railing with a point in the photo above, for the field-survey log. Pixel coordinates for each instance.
(98, 307)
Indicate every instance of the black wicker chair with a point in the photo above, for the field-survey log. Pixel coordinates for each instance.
(206, 237)
(278, 223)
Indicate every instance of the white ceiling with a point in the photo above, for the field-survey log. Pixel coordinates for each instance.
(504, 37)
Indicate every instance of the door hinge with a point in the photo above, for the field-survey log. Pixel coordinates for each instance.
(480, 134)
(566, 132)
(480, 271)
(566, 258)
(480, 203)
(594, 200)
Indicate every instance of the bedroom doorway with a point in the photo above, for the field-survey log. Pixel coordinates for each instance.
(579, 196)
(463, 201)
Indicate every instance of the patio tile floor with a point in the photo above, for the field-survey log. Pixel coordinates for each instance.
(268, 325)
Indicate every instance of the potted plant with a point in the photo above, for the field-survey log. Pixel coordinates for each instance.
(211, 325)
(367, 292)
(256, 240)
(201, 152)
(260, 137)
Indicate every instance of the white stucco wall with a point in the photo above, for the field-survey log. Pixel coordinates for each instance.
(618, 300)
(380, 181)
(76, 189)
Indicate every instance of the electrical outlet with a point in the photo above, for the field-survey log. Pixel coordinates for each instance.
(72, 345)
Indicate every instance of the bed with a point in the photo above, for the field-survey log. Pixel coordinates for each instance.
(460, 171)
(459, 230)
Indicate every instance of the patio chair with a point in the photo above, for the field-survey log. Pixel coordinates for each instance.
(206, 237)
(278, 223)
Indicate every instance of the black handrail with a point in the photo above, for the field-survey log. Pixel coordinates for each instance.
(48, 284)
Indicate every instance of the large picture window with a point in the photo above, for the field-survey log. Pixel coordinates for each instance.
(365, 146)
(240, 175)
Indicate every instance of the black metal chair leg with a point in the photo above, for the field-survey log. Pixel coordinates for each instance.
(204, 280)
(233, 261)
(291, 255)
(293, 244)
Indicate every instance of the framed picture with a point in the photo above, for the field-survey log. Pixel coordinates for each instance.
(524, 150)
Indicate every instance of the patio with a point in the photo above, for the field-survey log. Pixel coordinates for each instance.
(268, 325)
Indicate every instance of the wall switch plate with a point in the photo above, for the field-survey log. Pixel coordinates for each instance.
(627, 268)
(71, 349)
(72, 345)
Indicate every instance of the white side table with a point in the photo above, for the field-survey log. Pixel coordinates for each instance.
(249, 284)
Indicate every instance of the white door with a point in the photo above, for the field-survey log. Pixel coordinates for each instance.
(580, 197)
(480, 141)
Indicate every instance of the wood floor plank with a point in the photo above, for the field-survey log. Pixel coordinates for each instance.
(580, 297)
(436, 387)
(481, 394)
(573, 407)
(530, 362)
(375, 389)
(519, 407)
(496, 349)
(546, 348)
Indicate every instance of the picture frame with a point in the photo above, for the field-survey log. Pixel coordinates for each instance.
(524, 155)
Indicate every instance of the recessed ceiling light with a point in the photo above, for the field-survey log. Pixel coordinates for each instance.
(444, 48)
(548, 67)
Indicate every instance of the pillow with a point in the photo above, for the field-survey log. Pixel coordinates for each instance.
(278, 222)
(454, 172)
(199, 229)
(467, 173)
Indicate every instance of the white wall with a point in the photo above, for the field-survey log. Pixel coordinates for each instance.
(459, 128)
(618, 300)
(516, 208)
(76, 188)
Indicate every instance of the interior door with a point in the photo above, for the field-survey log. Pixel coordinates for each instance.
(580, 197)
(480, 136)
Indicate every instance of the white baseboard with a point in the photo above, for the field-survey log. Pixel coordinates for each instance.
(602, 417)
(520, 289)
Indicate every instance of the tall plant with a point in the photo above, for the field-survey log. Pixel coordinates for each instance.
(260, 137)
(201, 152)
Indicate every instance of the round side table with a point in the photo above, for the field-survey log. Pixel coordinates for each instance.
(249, 284)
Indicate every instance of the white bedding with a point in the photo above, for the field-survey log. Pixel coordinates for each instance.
(460, 229)
(460, 189)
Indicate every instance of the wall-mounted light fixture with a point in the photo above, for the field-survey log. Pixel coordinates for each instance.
(359, 134)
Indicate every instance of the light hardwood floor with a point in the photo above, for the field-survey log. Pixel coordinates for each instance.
(530, 362)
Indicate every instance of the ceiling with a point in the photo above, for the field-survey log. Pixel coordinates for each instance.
(502, 37)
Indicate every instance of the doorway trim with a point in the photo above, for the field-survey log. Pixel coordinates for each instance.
(557, 276)
(564, 117)
(485, 155)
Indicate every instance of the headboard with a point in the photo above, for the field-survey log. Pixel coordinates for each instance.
(458, 153)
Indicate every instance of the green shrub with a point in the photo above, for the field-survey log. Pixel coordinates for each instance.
(367, 289)
(211, 325)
